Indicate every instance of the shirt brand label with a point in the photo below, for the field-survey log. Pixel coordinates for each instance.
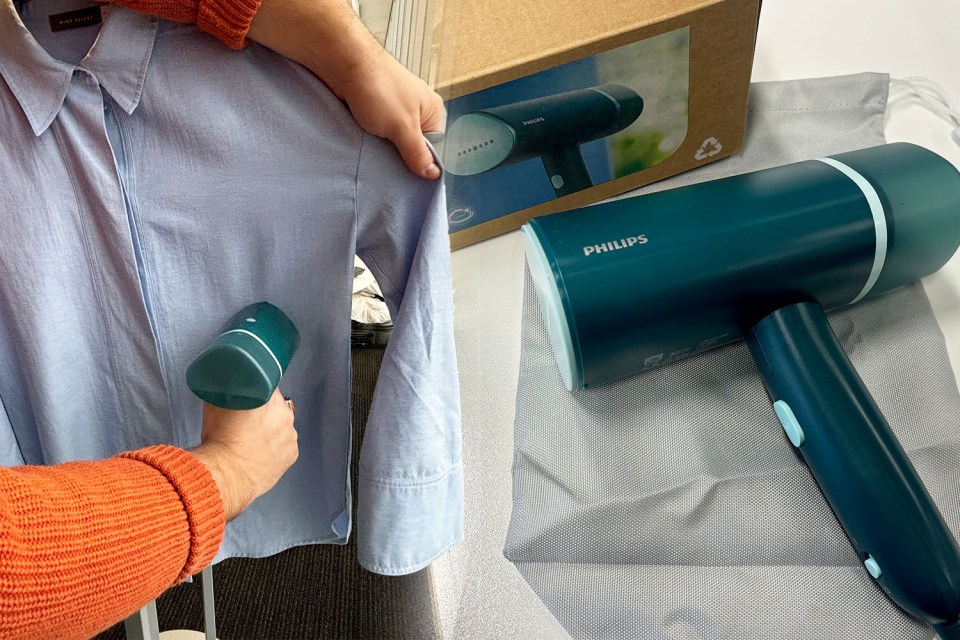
(75, 19)
(615, 245)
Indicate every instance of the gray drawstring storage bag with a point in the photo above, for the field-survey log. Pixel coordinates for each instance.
(670, 504)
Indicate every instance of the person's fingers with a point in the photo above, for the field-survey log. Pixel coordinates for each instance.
(278, 396)
(414, 151)
(434, 115)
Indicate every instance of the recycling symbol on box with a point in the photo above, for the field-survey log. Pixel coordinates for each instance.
(710, 147)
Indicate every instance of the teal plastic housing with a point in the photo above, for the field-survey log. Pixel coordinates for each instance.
(483, 140)
(627, 286)
(863, 471)
(551, 128)
(244, 365)
(633, 284)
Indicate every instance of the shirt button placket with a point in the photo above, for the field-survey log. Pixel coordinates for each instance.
(139, 390)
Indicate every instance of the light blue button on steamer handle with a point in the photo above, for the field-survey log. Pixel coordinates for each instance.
(245, 363)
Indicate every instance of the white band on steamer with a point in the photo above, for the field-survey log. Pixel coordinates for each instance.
(257, 338)
(879, 222)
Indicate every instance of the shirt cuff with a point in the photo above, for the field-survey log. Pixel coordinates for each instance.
(227, 20)
(404, 525)
(200, 497)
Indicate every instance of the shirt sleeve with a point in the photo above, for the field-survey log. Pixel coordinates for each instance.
(85, 544)
(10, 453)
(410, 501)
(227, 20)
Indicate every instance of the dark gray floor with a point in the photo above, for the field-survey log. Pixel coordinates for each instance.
(309, 592)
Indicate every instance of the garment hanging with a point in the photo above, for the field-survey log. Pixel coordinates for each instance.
(152, 186)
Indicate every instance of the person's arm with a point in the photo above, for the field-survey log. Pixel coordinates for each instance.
(85, 544)
(386, 99)
(327, 37)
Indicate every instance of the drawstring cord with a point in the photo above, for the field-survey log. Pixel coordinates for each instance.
(935, 97)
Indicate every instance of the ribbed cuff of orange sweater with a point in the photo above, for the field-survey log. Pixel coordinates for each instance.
(201, 501)
(227, 20)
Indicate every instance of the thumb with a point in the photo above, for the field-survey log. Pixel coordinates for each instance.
(415, 152)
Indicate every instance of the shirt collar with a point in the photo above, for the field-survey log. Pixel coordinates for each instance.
(118, 59)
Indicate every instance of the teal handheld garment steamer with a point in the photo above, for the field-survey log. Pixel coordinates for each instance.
(243, 366)
(551, 128)
(629, 285)
(240, 370)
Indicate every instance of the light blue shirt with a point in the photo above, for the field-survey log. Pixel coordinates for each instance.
(155, 185)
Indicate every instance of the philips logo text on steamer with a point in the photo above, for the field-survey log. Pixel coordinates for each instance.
(536, 120)
(615, 245)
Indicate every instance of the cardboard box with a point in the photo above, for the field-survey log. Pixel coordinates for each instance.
(556, 104)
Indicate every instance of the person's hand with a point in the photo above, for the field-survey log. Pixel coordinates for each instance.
(390, 102)
(247, 451)
(386, 99)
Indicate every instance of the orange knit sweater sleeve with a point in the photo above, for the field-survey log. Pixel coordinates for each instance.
(85, 544)
(227, 20)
